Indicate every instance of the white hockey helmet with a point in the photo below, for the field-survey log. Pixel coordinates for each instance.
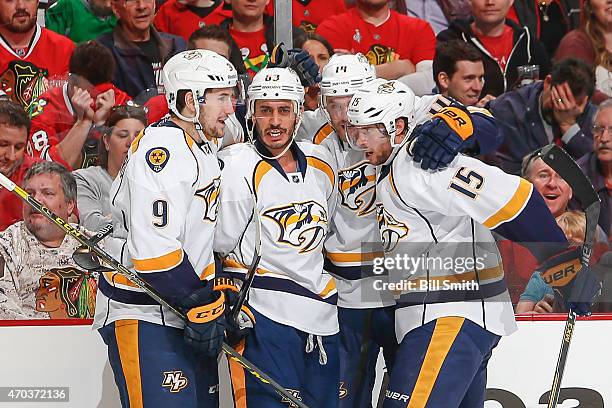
(382, 102)
(197, 71)
(275, 84)
(345, 74)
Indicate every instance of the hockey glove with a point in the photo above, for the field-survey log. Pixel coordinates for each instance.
(205, 326)
(437, 142)
(235, 330)
(299, 61)
(575, 285)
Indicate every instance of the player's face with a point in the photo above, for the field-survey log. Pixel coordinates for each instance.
(136, 15)
(602, 135)
(217, 46)
(373, 140)
(551, 186)
(218, 105)
(490, 11)
(248, 9)
(275, 121)
(18, 16)
(465, 85)
(12, 148)
(118, 142)
(47, 189)
(336, 107)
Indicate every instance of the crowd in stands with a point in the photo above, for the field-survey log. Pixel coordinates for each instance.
(79, 85)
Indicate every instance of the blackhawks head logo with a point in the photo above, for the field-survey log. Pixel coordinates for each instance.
(67, 293)
(23, 82)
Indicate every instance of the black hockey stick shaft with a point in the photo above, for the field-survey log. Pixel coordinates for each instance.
(142, 284)
(560, 161)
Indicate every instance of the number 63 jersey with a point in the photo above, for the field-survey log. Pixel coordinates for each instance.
(164, 209)
(435, 228)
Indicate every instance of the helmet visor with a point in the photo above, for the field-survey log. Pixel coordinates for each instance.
(359, 137)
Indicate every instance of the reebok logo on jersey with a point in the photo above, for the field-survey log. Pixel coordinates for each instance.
(391, 230)
(295, 393)
(356, 187)
(302, 225)
(174, 380)
(210, 195)
(157, 158)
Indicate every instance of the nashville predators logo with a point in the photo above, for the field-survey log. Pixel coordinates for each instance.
(157, 158)
(302, 225)
(174, 380)
(386, 88)
(295, 394)
(391, 230)
(356, 187)
(210, 195)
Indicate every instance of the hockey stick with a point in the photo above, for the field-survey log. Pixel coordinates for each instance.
(142, 284)
(566, 167)
(248, 280)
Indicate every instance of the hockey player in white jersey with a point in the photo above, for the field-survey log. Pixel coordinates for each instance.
(365, 315)
(452, 300)
(164, 208)
(293, 301)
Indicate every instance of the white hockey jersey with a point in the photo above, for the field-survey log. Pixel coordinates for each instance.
(164, 209)
(354, 241)
(435, 229)
(294, 209)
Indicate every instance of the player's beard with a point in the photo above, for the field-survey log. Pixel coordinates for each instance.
(19, 28)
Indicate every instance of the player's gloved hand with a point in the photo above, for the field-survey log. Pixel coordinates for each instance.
(205, 326)
(575, 285)
(299, 61)
(238, 329)
(437, 142)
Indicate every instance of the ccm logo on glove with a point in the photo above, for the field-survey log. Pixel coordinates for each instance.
(458, 120)
(207, 313)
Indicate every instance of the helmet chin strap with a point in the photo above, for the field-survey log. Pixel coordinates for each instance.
(251, 130)
(397, 146)
(195, 119)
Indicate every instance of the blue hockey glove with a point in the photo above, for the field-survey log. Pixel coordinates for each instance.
(437, 142)
(575, 285)
(205, 326)
(299, 61)
(241, 328)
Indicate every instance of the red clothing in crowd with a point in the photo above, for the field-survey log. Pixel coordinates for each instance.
(24, 72)
(10, 204)
(399, 37)
(253, 48)
(176, 18)
(499, 46)
(53, 116)
(308, 14)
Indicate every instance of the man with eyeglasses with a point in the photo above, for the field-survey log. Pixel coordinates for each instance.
(140, 51)
(597, 165)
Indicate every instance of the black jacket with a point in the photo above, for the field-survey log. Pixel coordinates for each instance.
(236, 56)
(527, 50)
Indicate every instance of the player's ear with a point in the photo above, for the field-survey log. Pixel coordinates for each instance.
(189, 102)
(443, 81)
(400, 128)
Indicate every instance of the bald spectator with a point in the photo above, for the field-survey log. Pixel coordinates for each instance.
(80, 20)
(29, 54)
(139, 49)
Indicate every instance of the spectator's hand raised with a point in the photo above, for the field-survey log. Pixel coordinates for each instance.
(82, 103)
(565, 107)
(104, 103)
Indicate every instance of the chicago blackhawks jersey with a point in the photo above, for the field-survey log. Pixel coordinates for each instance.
(24, 73)
(353, 242)
(164, 210)
(294, 210)
(435, 229)
(177, 18)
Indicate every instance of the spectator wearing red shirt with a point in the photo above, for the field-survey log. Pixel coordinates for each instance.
(504, 45)
(14, 128)
(308, 14)
(182, 18)
(397, 44)
(63, 116)
(29, 54)
(252, 32)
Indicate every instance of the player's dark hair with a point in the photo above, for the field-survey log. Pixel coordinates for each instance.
(92, 61)
(13, 115)
(300, 40)
(209, 32)
(180, 99)
(118, 113)
(46, 167)
(578, 75)
(448, 53)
